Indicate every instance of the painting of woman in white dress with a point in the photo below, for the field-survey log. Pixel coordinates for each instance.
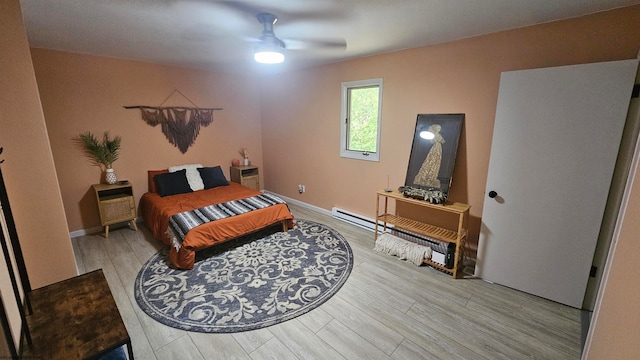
(433, 152)
(428, 174)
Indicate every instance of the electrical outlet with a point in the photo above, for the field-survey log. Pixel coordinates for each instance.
(301, 188)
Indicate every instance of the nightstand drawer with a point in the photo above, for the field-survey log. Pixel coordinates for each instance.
(117, 210)
(251, 182)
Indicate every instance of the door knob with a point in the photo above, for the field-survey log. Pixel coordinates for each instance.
(492, 194)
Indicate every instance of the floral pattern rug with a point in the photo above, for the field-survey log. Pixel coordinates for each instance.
(250, 283)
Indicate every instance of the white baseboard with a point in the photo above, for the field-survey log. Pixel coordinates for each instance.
(83, 232)
(302, 204)
(93, 230)
(336, 213)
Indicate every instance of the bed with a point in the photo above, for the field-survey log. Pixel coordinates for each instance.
(171, 192)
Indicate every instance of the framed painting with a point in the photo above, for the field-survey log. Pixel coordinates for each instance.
(433, 153)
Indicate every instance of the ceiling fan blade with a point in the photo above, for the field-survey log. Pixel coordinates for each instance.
(241, 7)
(304, 44)
(206, 21)
(305, 13)
(251, 39)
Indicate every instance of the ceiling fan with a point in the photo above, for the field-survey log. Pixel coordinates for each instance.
(270, 49)
(231, 16)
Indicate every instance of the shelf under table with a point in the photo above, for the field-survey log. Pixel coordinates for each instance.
(421, 228)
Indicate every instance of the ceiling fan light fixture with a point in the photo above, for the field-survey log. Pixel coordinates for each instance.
(269, 55)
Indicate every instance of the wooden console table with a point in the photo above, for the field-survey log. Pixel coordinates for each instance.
(75, 319)
(457, 236)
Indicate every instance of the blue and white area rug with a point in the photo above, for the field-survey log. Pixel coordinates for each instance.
(254, 282)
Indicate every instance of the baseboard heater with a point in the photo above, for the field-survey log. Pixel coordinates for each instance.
(370, 224)
(353, 218)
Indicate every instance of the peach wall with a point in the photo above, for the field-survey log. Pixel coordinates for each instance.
(615, 331)
(81, 92)
(28, 170)
(301, 110)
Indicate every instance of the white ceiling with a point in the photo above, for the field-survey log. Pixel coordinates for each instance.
(215, 34)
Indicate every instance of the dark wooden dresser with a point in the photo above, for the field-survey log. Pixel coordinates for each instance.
(75, 319)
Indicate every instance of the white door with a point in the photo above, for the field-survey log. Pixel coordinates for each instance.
(555, 141)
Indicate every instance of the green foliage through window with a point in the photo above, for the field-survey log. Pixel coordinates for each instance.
(363, 119)
(361, 106)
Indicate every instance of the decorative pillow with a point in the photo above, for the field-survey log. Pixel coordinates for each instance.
(212, 177)
(172, 183)
(193, 176)
(151, 182)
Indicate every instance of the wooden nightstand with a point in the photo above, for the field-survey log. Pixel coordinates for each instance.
(246, 175)
(116, 205)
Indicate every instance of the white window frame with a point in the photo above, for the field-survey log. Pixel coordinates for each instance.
(344, 126)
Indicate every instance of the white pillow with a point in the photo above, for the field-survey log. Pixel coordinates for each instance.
(193, 175)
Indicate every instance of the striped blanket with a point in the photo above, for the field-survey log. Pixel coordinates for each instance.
(181, 223)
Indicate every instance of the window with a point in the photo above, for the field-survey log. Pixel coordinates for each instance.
(360, 122)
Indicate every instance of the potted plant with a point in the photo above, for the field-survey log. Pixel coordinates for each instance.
(102, 153)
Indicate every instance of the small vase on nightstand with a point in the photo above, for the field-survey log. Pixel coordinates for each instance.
(110, 176)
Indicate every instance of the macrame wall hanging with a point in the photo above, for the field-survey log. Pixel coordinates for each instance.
(179, 124)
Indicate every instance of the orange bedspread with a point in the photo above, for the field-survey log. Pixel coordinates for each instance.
(156, 212)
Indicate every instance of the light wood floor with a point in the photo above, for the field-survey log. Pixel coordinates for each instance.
(387, 309)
